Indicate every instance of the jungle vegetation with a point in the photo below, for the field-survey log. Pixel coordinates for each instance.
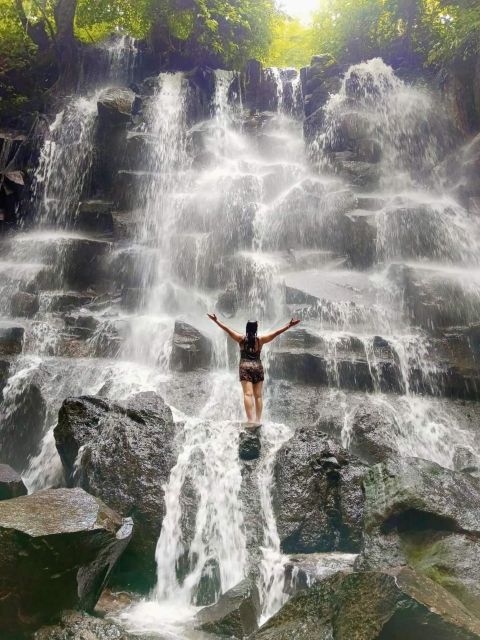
(45, 35)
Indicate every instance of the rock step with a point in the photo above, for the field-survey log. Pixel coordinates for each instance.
(448, 365)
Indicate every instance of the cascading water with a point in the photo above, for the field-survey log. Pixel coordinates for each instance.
(65, 161)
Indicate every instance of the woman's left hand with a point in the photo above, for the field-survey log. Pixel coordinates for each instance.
(212, 316)
(293, 322)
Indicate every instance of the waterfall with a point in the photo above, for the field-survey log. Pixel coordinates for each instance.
(229, 205)
(272, 569)
(208, 461)
(65, 162)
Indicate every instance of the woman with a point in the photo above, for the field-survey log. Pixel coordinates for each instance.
(251, 368)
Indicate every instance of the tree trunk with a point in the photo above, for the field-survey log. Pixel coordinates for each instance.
(67, 46)
(35, 31)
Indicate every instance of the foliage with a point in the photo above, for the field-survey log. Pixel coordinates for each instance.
(16, 48)
(233, 30)
(428, 31)
(292, 43)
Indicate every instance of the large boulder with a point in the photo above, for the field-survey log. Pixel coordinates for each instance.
(373, 606)
(318, 495)
(57, 549)
(190, 348)
(11, 483)
(122, 453)
(115, 105)
(78, 625)
(421, 514)
(235, 614)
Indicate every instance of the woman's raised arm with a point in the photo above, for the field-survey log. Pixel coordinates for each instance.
(233, 334)
(268, 337)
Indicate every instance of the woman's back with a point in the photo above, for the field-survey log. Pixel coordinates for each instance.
(249, 351)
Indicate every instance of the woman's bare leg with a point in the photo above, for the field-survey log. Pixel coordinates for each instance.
(258, 394)
(248, 400)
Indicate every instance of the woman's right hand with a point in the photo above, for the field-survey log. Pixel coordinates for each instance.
(212, 316)
(293, 322)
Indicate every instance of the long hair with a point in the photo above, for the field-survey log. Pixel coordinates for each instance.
(251, 334)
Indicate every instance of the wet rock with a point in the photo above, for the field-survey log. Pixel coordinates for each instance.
(363, 175)
(139, 149)
(466, 461)
(126, 225)
(302, 571)
(122, 453)
(227, 302)
(11, 339)
(190, 348)
(249, 444)
(130, 189)
(11, 483)
(63, 302)
(235, 614)
(132, 298)
(22, 421)
(369, 150)
(309, 359)
(318, 497)
(313, 124)
(40, 574)
(373, 606)
(115, 105)
(434, 298)
(209, 585)
(359, 238)
(4, 373)
(458, 352)
(130, 267)
(78, 625)
(421, 514)
(95, 215)
(371, 434)
(24, 305)
(83, 262)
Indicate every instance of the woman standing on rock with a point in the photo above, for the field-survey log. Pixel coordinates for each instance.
(251, 368)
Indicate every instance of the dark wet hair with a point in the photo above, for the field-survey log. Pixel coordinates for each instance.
(251, 334)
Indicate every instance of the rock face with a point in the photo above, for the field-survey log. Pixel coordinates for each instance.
(11, 483)
(190, 350)
(57, 549)
(421, 514)
(235, 614)
(318, 495)
(76, 625)
(373, 606)
(123, 454)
